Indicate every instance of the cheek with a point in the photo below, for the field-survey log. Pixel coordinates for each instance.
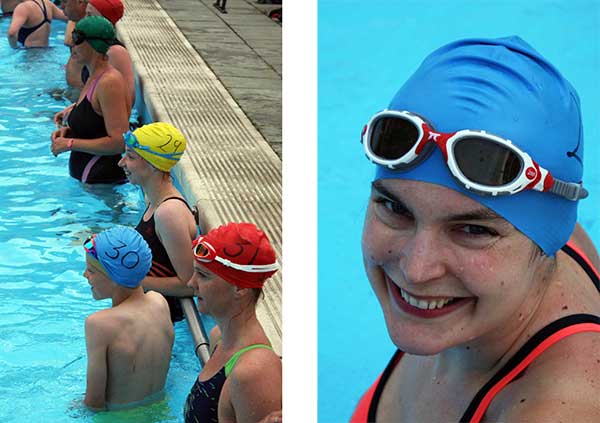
(379, 243)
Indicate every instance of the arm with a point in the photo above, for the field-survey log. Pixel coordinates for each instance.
(112, 102)
(583, 241)
(97, 366)
(255, 386)
(57, 13)
(18, 20)
(173, 231)
(68, 31)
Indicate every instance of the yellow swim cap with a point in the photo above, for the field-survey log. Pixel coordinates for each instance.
(159, 143)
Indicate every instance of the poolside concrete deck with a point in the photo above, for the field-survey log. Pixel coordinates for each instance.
(217, 77)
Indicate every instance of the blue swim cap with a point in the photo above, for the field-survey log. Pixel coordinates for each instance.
(124, 254)
(504, 87)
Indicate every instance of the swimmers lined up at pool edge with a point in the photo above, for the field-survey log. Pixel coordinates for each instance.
(473, 249)
(169, 229)
(236, 260)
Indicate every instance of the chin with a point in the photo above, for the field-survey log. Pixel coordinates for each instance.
(416, 339)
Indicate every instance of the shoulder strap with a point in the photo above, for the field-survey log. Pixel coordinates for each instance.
(90, 92)
(579, 256)
(532, 349)
(175, 198)
(234, 358)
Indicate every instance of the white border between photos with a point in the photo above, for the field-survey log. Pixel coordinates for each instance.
(299, 92)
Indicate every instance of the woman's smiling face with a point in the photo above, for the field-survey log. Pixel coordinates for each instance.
(445, 269)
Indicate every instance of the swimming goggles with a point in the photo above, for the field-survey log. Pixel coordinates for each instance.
(204, 252)
(89, 246)
(132, 141)
(79, 37)
(481, 162)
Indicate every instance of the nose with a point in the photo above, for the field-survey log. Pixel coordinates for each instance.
(423, 257)
(122, 162)
(192, 282)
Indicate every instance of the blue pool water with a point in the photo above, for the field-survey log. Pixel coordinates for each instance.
(366, 50)
(44, 218)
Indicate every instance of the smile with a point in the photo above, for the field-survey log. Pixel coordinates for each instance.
(425, 304)
(424, 307)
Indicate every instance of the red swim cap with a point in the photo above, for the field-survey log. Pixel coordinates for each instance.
(110, 9)
(239, 253)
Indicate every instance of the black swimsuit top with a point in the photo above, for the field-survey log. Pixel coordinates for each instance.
(26, 32)
(366, 411)
(161, 263)
(85, 123)
(202, 403)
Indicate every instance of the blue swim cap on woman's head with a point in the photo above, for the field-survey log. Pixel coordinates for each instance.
(504, 87)
(124, 254)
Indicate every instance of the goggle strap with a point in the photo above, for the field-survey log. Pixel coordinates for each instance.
(249, 268)
(569, 190)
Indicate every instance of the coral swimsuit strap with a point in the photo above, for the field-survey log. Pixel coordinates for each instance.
(535, 346)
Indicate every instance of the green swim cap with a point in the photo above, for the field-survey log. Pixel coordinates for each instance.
(98, 32)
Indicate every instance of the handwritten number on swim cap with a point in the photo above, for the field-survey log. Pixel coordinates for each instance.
(176, 144)
(241, 251)
(130, 260)
(116, 249)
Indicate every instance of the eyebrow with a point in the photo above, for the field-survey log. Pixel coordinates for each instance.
(477, 214)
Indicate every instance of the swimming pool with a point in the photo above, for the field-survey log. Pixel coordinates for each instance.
(44, 219)
(365, 51)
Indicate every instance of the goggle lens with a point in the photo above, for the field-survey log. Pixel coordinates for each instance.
(392, 137)
(90, 247)
(486, 162)
(78, 37)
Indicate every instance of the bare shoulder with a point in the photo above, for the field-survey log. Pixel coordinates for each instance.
(561, 383)
(258, 362)
(158, 300)
(102, 324)
(172, 208)
(112, 81)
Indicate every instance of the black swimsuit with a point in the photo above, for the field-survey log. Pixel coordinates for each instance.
(26, 32)
(161, 263)
(85, 123)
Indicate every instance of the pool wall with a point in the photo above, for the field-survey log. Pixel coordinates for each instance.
(229, 171)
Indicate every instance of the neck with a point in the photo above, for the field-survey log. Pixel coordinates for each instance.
(97, 66)
(121, 294)
(158, 188)
(239, 328)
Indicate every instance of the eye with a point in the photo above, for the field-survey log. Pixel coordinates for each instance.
(477, 231)
(391, 206)
(392, 213)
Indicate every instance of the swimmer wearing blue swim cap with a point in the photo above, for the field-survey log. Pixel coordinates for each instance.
(122, 254)
(471, 242)
(136, 331)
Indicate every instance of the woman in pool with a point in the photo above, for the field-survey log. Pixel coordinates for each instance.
(241, 382)
(96, 125)
(494, 317)
(30, 24)
(167, 225)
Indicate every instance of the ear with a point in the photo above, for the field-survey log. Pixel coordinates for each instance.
(240, 292)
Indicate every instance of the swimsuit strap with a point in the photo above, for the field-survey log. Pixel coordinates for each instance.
(44, 11)
(579, 256)
(234, 358)
(532, 349)
(93, 86)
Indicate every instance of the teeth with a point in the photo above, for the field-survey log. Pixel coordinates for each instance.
(422, 304)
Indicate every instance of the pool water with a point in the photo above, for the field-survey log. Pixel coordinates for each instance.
(366, 50)
(44, 219)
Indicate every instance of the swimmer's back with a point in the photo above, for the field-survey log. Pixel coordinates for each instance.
(139, 352)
